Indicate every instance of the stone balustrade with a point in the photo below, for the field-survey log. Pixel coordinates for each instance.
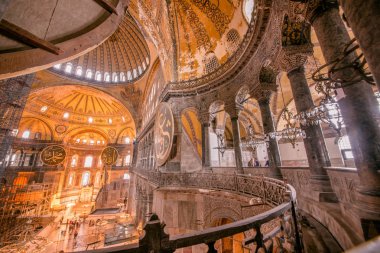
(276, 193)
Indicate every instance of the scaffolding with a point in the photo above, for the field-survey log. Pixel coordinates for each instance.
(23, 211)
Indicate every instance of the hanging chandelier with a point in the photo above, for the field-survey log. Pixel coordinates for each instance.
(291, 132)
(221, 142)
(327, 112)
(254, 140)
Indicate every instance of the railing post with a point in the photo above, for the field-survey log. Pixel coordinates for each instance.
(211, 248)
(298, 245)
(236, 182)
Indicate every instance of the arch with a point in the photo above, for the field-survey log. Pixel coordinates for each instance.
(85, 129)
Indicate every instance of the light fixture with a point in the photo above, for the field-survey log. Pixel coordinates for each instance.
(221, 142)
(291, 132)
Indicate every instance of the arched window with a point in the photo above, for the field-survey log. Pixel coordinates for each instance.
(70, 181)
(126, 176)
(127, 140)
(26, 134)
(44, 108)
(122, 77)
(97, 179)
(88, 161)
(233, 40)
(86, 178)
(74, 161)
(248, 6)
(144, 66)
(89, 74)
(66, 115)
(107, 77)
(69, 68)
(140, 70)
(129, 75)
(98, 76)
(127, 160)
(211, 62)
(134, 73)
(345, 147)
(90, 120)
(57, 66)
(79, 71)
(115, 77)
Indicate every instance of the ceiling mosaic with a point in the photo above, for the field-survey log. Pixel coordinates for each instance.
(197, 35)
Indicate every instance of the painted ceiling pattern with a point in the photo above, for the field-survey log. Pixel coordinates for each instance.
(184, 31)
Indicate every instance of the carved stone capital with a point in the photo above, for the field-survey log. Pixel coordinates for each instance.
(233, 109)
(293, 57)
(316, 8)
(205, 117)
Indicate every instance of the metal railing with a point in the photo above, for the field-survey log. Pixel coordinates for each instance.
(275, 193)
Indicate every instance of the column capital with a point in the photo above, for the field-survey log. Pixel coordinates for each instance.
(233, 109)
(293, 57)
(264, 92)
(316, 8)
(205, 117)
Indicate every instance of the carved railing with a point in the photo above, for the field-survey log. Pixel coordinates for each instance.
(272, 192)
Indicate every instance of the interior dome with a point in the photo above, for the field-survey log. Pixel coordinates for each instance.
(78, 104)
(122, 58)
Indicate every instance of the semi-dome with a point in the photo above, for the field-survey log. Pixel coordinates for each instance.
(78, 104)
(122, 58)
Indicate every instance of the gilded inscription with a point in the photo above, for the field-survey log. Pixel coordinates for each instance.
(163, 133)
(109, 156)
(53, 155)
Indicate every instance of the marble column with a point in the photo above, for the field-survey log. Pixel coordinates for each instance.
(358, 108)
(363, 17)
(294, 57)
(205, 122)
(268, 125)
(13, 95)
(233, 111)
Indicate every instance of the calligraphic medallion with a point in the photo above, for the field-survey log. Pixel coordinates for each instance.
(163, 133)
(109, 156)
(53, 155)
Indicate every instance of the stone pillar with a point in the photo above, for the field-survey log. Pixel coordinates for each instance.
(268, 125)
(205, 122)
(293, 59)
(363, 17)
(233, 110)
(358, 110)
(13, 95)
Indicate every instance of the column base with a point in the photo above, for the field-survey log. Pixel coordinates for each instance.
(172, 166)
(322, 190)
(367, 207)
(276, 173)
